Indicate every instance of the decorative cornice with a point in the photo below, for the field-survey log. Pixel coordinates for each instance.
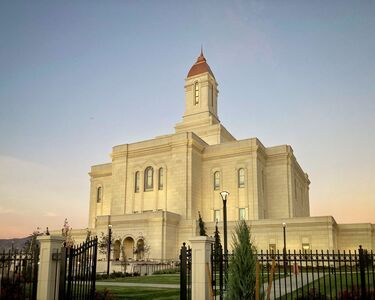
(101, 174)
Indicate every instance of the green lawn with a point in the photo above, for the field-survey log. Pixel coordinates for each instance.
(141, 293)
(330, 289)
(161, 279)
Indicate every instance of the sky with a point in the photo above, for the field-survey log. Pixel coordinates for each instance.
(79, 77)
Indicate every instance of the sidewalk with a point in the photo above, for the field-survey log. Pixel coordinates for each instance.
(280, 289)
(152, 285)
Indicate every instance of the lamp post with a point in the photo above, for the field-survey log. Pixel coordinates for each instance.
(224, 195)
(284, 248)
(109, 247)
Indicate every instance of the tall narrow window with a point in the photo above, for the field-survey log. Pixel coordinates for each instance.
(241, 178)
(212, 95)
(242, 214)
(216, 180)
(99, 194)
(217, 215)
(306, 248)
(136, 182)
(149, 179)
(161, 178)
(272, 248)
(196, 95)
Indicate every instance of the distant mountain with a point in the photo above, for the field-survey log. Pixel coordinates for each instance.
(15, 243)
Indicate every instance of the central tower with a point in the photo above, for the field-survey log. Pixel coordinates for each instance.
(201, 111)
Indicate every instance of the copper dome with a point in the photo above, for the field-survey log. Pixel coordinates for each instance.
(200, 67)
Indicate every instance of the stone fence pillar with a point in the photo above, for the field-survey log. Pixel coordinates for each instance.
(201, 263)
(49, 270)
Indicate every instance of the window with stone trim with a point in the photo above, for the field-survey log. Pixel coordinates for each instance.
(196, 93)
(242, 213)
(149, 179)
(217, 215)
(306, 247)
(136, 182)
(241, 178)
(216, 180)
(161, 178)
(99, 194)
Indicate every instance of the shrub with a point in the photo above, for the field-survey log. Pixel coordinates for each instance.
(167, 271)
(104, 295)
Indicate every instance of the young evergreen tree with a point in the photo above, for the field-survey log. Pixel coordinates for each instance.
(202, 228)
(103, 243)
(217, 246)
(241, 271)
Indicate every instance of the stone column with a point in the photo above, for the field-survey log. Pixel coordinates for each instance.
(201, 251)
(48, 280)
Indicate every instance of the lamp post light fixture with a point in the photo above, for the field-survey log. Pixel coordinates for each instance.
(284, 248)
(109, 247)
(224, 196)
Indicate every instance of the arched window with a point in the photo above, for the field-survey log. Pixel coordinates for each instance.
(136, 182)
(196, 93)
(149, 179)
(216, 180)
(241, 178)
(140, 249)
(99, 194)
(117, 250)
(161, 178)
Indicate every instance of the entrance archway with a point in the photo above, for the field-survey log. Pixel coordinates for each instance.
(129, 247)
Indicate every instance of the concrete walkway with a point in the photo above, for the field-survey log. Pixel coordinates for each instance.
(152, 285)
(280, 289)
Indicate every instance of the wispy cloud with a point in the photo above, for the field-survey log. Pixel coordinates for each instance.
(6, 210)
(50, 214)
(37, 195)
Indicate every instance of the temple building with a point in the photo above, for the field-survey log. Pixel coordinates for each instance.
(151, 191)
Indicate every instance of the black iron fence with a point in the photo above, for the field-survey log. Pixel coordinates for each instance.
(19, 274)
(218, 269)
(78, 271)
(306, 274)
(185, 272)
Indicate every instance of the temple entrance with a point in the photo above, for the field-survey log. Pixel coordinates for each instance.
(129, 248)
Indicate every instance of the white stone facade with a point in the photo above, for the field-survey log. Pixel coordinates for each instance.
(152, 190)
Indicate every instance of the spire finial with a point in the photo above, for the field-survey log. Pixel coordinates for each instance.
(201, 57)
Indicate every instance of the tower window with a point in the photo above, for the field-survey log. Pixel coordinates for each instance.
(212, 95)
(99, 194)
(196, 94)
(161, 178)
(241, 178)
(149, 179)
(136, 182)
(216, 180)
